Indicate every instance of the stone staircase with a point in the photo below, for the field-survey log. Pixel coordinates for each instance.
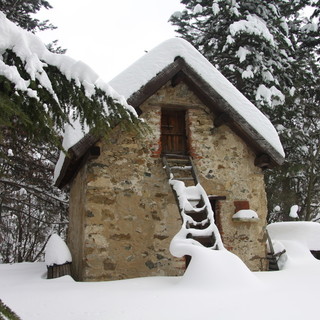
(195, 209)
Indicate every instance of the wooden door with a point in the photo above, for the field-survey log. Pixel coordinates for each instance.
(173, 132)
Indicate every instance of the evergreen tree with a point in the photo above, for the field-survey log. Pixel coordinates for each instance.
(31, 208)
(248, 41)
(310, 36)
(298, 179)
(264, 49)
(40, 92)
(22, 13)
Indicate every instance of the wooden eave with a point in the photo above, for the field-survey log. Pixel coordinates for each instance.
(75, 158)
(179, 70)
(146, 91)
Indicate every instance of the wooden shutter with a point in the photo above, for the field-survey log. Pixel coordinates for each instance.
(173, 132)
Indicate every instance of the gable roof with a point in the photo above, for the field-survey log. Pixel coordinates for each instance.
(177, 60)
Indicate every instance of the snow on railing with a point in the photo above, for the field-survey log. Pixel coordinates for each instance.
(182, 245)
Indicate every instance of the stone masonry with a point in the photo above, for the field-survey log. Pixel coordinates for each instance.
(123, 212)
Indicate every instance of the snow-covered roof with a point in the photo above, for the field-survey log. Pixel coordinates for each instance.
(154, 69)
(132, 80)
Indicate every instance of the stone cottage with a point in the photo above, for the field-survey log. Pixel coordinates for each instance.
(123, 213)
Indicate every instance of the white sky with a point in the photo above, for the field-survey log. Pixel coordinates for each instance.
(109, 35)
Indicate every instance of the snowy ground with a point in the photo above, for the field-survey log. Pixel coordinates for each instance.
(217, 286)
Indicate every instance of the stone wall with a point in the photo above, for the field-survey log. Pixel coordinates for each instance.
(226, 167)
(129, 214)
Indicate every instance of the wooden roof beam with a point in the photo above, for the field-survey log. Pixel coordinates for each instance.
(221, 119)
(263, 161)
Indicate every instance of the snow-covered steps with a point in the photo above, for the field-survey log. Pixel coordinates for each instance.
(180, 167)
(198, 227)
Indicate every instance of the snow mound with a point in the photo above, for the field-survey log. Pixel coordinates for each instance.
(297, 255)
(245, 214)
(57, 252)
(297, 238)
(211, 267)
(294, 212)
(217, 269)
(305, 232)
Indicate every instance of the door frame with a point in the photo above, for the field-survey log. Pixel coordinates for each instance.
(184, 141)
